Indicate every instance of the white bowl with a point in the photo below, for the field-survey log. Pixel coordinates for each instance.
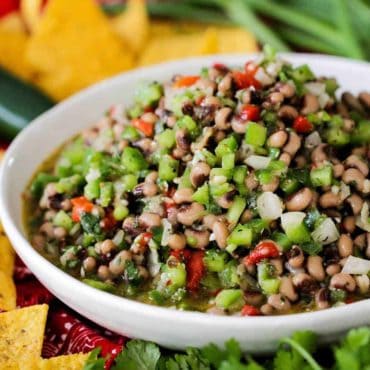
(171, 328)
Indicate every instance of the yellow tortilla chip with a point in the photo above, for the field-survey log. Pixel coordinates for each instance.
(31, 12)
(133, 25)
(13, 43)
(22, 334)
(70, 362)
(235, 40)
(166, 27)
(75, 46)
(7, 255)
(171, 47)
(8, 292)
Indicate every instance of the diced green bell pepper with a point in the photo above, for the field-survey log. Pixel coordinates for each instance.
(168, 168)
(133, 160)
(322, 176)
(255, 134)
(241, 236)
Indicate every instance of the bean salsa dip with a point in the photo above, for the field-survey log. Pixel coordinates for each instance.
(237, 191)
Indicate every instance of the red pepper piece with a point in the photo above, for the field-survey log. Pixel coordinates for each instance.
(8, 6)
(186, 81)
(250, 112)
(220, 67)
(264, 249)
(195, 270)
(80, 205)
(108, 222)
(147, 128)
(302, 125)
(246, 78)
(249, 310)
(32, 292)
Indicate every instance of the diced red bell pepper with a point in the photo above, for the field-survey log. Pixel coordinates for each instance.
(246, 78)
(220, 67)
(250, 112)
(264, 249)
(249, 310)
(186, 81)
(195, 270)
(80, 205)
(302, 125)
(8, 6)
(147, 128)
(108, 222)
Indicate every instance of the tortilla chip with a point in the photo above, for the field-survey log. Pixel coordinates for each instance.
(8, 292)
(133, 25)
(75, 46)
(22, 335)
(13, 43)
(31, 11)
(166, 27)
(7, 255)
(235, 40)
(162, 48)
(69, 362)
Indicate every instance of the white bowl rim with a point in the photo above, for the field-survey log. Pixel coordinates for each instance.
(151, 311)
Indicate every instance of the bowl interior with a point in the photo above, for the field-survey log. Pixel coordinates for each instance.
(51, 129)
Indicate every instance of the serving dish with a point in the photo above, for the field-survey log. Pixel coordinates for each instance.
(175, 329)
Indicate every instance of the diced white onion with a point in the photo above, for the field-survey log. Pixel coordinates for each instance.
(312, 140)
(362, 221)
(263, 77)
(290, 219)
(154, 266)
(356, 266)
(315, 88)
(323, 99)
(269, 206)
(326, 232)
(118, 238)
(167, 229)
(345, 191)
(93, 174)
(258, 162)
(293, 270)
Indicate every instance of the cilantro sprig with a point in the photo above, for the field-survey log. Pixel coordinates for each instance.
(298, 352)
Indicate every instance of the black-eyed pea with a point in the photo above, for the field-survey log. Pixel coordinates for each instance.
(221, 233)
(345, 245)
(299, 200)
(343, 281)
(104, 272)
(333, 269)
(354, 176)
(287, 288)
(315, 268)
(356, 202)
(266, 309)
(277, 139)
(107, 246)
(279, 302)
(89, 264)
(183, 195)
(322, 297)
(199, 238)
(177, 241)
(349, 223)
(295, 257)
(190, 213)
